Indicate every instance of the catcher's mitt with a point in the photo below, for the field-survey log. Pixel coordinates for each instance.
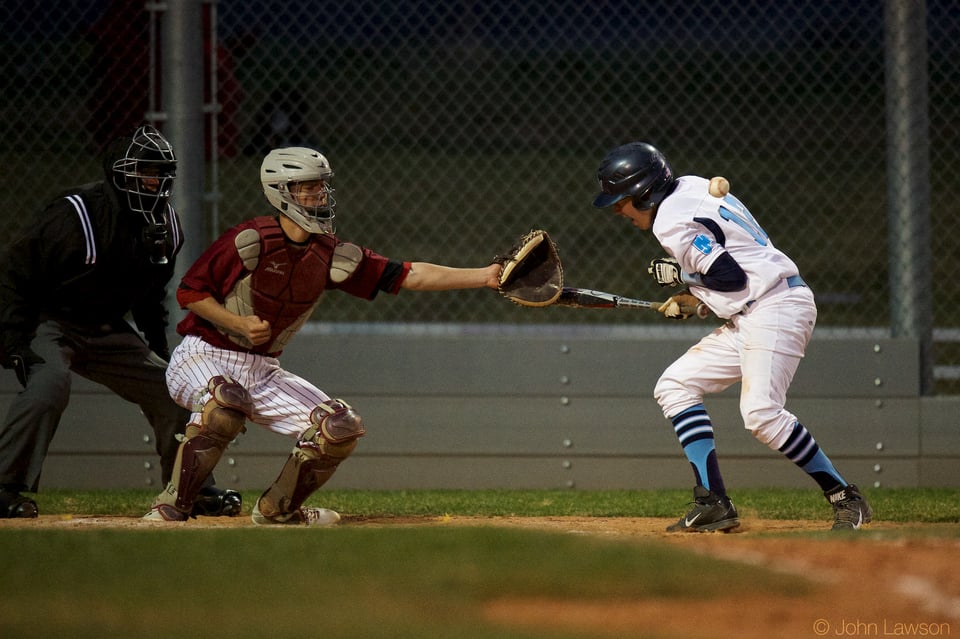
(531, 273)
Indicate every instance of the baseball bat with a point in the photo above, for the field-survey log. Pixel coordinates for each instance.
(586, 298)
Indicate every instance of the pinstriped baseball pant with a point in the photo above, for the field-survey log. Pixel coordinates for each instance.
(282, 401)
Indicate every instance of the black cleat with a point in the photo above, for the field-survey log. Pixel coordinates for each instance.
(710, 513)
(850, 508)
(213, 502)
(13, 504)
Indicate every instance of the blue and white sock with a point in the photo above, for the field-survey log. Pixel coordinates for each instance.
(695, 432)
(802, 449)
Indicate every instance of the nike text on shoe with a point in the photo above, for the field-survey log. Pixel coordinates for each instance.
(710, 513)
(316, 517)
(850, 508)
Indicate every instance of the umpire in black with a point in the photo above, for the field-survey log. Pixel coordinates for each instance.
(99, 252)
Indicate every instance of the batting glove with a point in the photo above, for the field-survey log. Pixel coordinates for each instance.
(682, 306)
(666, 270)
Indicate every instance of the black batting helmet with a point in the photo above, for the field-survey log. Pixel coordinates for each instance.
(636, 170)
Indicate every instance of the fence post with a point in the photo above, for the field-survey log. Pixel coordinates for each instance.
(908, 179)
(183, 104)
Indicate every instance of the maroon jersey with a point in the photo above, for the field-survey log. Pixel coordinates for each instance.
(254, 269)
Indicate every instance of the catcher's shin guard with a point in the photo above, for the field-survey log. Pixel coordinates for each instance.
(333, 436)
(223, 418)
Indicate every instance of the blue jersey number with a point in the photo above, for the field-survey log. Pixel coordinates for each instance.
(734, 211)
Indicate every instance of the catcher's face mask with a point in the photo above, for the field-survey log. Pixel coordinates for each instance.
(311, 206)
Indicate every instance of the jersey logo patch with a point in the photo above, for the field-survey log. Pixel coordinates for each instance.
(703, 244)
(276, 268)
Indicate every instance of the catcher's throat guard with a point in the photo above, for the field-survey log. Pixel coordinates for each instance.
(531, 273)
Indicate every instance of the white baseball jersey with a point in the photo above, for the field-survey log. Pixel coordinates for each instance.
(695, 228)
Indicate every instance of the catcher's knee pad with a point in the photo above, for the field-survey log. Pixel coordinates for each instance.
(335, 429)
(223, 417)
(226, 395)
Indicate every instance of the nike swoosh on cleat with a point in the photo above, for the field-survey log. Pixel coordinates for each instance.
(689, 522)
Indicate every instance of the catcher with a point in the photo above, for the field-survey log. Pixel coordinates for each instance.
(247, 295)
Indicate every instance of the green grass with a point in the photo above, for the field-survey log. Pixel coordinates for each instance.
(376, 582)
(920, 505)
(343, 582)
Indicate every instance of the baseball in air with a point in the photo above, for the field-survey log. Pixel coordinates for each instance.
(719, 186)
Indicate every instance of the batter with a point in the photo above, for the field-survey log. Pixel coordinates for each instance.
(717, 250)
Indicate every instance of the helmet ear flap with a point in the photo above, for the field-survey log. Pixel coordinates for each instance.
(651, 197)
(641, 199)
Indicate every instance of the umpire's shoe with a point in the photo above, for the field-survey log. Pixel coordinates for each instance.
(710, 513)
(850, 508)
(213, 502)
(13, 504)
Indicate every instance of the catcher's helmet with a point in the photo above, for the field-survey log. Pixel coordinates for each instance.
(283, 167)
(144, 167)
(636, 170)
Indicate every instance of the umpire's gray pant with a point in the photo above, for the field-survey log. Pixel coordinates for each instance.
(114, 356)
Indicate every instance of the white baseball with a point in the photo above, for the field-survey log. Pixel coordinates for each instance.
(719, 186)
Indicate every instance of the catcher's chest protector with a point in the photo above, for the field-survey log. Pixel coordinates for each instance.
(285, 281)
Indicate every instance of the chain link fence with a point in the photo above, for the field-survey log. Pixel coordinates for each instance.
(455, 127)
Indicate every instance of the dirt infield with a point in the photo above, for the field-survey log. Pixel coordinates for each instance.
(878, 584)
(888, 580)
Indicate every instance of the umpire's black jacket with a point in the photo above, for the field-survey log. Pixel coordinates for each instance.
(84, 263)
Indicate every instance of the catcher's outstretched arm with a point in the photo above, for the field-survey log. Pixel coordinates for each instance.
(426, 276)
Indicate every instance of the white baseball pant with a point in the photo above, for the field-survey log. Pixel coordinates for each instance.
(762, 348)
